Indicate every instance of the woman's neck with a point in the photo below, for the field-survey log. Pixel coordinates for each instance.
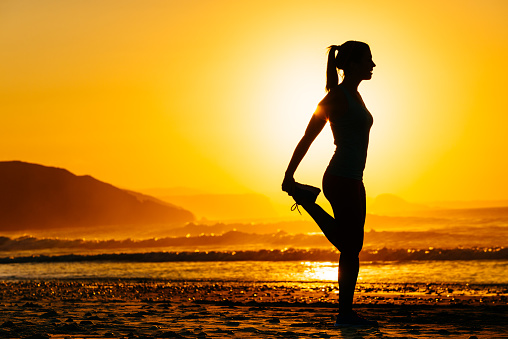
(351, 84)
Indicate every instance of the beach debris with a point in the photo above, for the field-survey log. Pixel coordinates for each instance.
(301, 324)
(8, 324)
(71, 327)
(38, 336)
(249, 329)
(94, 317)
(169, 334)
(31, 305)
(232, 323)
(49, 314)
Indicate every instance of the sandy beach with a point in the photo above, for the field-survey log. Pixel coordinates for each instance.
(212, 309)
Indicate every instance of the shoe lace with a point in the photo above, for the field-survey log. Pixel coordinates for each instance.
(295, 207)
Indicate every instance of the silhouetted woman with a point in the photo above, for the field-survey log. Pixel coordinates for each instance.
(350, 122)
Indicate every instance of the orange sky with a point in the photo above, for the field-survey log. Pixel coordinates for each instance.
(215, 95)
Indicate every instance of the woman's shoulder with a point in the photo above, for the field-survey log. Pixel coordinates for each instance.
(334, 99)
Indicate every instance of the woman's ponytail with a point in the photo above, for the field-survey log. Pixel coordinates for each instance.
(332, 78)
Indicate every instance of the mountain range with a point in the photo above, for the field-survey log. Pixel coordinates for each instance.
(36, 197)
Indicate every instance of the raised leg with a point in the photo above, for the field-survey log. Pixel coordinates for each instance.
(325, 221)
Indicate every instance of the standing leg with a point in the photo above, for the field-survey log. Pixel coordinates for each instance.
(347, 197)
(349, 266)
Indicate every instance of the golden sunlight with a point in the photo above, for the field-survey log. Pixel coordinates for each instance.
(145, 144)
(320, 271)
(225, 110)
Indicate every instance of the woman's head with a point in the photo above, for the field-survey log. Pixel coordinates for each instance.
(353, 57)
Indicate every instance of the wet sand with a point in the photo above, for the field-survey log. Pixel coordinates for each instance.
(208, 309)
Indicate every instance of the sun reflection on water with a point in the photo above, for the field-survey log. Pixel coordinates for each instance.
(471, 272)
(320, 271)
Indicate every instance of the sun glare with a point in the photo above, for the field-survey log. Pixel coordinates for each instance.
(182, 109)
(296, 86)
(320, 271)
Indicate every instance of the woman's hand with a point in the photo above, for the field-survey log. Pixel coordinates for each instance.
(288, 184)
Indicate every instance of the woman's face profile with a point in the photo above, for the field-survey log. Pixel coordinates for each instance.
(363, 68)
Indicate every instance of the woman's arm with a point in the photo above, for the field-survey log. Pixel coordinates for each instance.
(315, 126)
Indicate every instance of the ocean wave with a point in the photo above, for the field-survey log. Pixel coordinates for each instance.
(318, 255)
(491, 237)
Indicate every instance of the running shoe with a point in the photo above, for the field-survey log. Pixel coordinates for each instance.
(304, 194)
(354, 320)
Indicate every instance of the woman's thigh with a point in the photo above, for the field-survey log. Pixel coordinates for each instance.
(347, 198)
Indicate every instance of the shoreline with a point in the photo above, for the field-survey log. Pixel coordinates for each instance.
(121, 308)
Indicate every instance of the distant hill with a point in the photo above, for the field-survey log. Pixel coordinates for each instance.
(36, 197)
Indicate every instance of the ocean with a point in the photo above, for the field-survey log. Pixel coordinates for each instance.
(449, 249)
(391, 272)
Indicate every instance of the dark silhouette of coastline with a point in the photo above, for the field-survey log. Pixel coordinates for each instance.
(36, 197)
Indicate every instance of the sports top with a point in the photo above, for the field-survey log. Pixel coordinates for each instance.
(350, 131)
